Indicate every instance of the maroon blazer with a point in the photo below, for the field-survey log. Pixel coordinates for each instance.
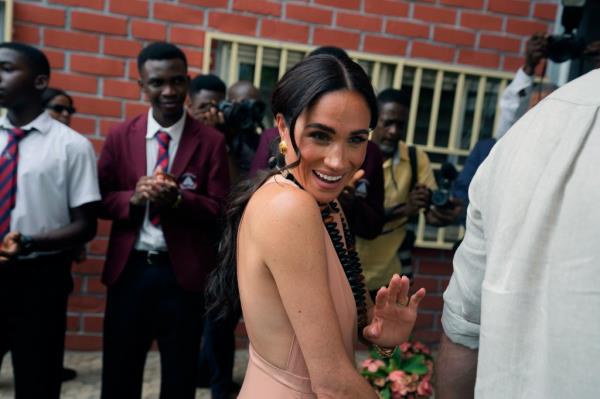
(191, 230)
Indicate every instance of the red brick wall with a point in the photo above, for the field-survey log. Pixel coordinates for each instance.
(92, 46)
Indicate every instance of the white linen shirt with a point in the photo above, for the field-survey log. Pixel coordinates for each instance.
(526, 283)
(56, 172)
(151, 238)
(514, 102)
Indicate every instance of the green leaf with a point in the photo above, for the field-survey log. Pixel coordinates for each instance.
(385, 393)
(415, 365)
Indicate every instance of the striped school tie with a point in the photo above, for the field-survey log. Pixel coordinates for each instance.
(8, 177)
(162, 160)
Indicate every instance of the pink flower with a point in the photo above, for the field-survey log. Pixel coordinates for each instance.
(425, 388)
(397, 376)
(372, 365)
(405, 347)
(421, 347)
(399, 388)
(379, 382)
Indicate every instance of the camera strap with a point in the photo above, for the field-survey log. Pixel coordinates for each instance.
(412, 156)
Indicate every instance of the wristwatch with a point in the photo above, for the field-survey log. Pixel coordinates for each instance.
(26, 245)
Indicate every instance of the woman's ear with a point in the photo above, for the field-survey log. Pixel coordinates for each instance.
(281, 126)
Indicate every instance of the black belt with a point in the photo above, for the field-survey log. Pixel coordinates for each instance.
(154, 258)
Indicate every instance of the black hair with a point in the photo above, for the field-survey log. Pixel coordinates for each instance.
(393, 96)
(299, 89)
(207, 82)
(50, 93)
(160, 51)
(36, 60)
(330, 50)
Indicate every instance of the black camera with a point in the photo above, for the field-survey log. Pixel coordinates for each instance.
(565, 47)
(446, 176)
(245, 115)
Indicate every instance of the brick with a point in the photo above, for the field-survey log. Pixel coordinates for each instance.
(97, 144)
(525, 27)
(26, 34)
(83, 125)
(121, 89)
(105, 126)
(308, 14)
(284, 31)
(194, 57)
(98, 246)
(81, 342)
(444, 284)
(186, 36)
(432, 52)
(349, 4)
(240, 24)
(263, 7)
(387, 7)
(103, 228)
(207, 3)
(336, 37)
(175, 13)
(406, 28)
(98, 23)
(135, 109)
(86, 303)
(429, 283)
(97, 65)
(476, 4)
(73, 82)
(94, 286)
(148, 30)
(434, 14)
(359, 22)
(480, 21)
(512, 7)
(71, 40)
(496, 42)
(133, 69)
(478, 58)
(121, 47)
(56, 58)
(436, 267)
(95, 4)
(428, 337)
(73, 323)
(545, 11)
(89, 266)
(425, 320)
(76, 284)
(512, 63)
(378, 44)
(98, 107)
(93, 324)
(432, 302)
(39, 14)
(454, 36)
(134, 8)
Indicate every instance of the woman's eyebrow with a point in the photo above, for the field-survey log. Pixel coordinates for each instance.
(321, 126)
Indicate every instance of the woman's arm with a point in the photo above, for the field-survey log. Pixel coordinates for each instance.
(290, 237)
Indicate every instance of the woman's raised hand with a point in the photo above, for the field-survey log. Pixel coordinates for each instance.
(394, 313)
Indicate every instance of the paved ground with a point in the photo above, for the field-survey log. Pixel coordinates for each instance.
(88, 366)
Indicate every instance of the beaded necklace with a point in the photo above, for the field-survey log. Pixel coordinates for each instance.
(347, 256)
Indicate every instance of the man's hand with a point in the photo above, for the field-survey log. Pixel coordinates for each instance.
(592, 51)
(418, 199)
(349, 193)
(163, 190)
(537, 47)
(212, 117)
(142, 191)
(11, 246)
(444, 217)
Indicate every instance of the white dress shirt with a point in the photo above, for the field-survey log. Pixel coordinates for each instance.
(151, 238)
(514, 102)
(56, 171)
(526, 283)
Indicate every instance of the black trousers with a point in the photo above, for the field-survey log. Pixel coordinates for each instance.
(146, 304)
(33, 304)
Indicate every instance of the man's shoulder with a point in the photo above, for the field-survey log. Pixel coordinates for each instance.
(581, 91)
(138, 122)
(67, 136)
(204, 132)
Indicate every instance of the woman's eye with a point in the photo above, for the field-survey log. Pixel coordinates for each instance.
(320, 136)
(357, 139)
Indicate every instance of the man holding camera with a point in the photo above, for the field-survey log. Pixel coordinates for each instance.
(408, 183)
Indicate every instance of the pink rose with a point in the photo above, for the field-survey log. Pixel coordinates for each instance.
(372, 365)
(421, 348)
(397, 375)
(425, 388)
(405, 347)
(399, 388)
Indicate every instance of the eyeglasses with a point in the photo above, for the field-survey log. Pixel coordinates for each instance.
(58, 108)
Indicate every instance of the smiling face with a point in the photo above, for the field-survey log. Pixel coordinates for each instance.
(165, 83)
(332, 139)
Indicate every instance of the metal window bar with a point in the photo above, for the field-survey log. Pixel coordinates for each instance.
(385, 71)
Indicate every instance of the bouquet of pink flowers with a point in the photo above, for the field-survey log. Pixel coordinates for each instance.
(404, 375)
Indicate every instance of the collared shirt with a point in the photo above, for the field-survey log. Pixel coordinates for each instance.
(514, 102)
(151, 238)
(56, 172)
(378, 256)
(526, 283)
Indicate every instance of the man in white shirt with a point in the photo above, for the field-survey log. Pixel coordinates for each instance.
(521, 310)
(48, 195)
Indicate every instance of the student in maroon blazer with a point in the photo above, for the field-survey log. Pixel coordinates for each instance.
(163, 178)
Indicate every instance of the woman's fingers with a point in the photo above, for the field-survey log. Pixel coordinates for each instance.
(373, 330)
(415, 300)
(394, 290)
(381, 298)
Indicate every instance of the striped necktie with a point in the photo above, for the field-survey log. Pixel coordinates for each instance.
(163, 139)
(8, 177)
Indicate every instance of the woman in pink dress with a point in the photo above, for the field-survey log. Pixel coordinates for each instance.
(288, 257)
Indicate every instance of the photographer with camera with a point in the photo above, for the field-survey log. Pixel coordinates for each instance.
(408, 183)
